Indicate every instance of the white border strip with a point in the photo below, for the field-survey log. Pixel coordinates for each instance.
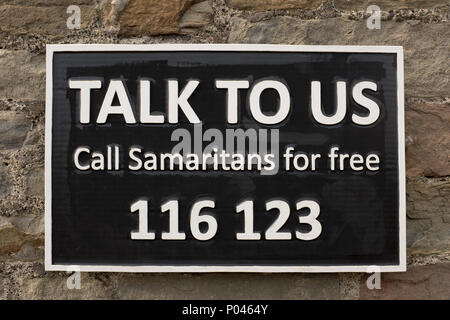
(401, 159)
(50, 49)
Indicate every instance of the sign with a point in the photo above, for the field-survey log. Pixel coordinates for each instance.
(219, 158)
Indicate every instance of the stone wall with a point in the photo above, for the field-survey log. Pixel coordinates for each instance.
(420, 26)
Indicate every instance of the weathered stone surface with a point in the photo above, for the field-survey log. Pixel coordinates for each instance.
(427, 56)
(427, 15)
(54, 286)
(13, 129)
(436, 240)
(44, 17)
(35, 182)
(386, 5)
(32, 108)
(428, 203)
(12, 237)
(261, 5)
(229, 286)
(19, 163)
(197, 16)
(23, 75)
(144, 17)
(416, 229)
(13, 275)
(32, 225)
(349, 285)
(28, 280)
(36, 135)
(47, 3)
(2, 289)
(419, 282)
(428, 198)
(30, 253)
(427, 139)
(5, 181)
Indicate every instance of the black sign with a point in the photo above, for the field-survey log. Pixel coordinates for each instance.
(193, 158)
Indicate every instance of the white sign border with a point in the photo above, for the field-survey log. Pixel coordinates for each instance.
(50, 49)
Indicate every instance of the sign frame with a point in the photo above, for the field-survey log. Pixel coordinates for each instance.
(52, 48)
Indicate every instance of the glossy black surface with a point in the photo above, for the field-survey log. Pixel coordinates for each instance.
(91, 219)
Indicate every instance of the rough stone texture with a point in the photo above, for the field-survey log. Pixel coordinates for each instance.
(13, 275)
(12, 238)
(23, 75)
(386, 5)
(420, 282)
(144, 17)
(29, 253)
(54, 286)
(27, 280)
(35, 182)
(35, 135)
(228, 286)
(261, 5)
(2, 288)
(434, 15)
(43, 17)
(5, 182)
(197, 16)
(13, 129)
(428, 198)
(31, 224)
(428, 206)
(428, 139)
(22, 169)
(416, 230)
(427, 56)
(349, 285)
(32, 109)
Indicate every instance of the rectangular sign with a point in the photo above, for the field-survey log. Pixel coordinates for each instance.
(220, 158)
